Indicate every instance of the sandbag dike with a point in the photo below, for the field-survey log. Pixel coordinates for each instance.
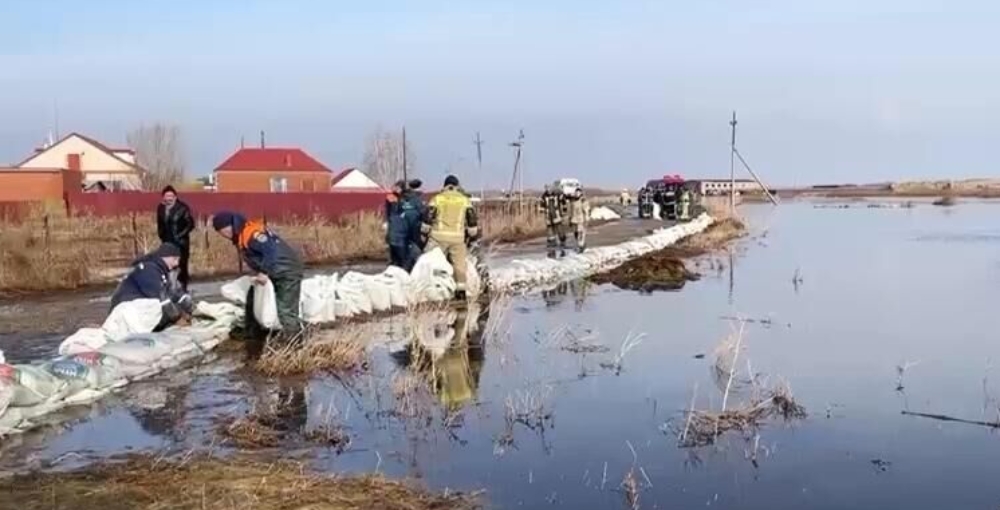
(96, 361)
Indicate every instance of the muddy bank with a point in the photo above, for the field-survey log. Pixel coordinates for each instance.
(665, 269)
(205, 483)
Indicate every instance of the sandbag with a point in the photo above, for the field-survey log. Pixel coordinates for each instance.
(108, 369)
(602, 213)
(143, 350)
(6, 394)
(352, 295)
(76, 375)
(395, 280)
(432, 278)
(265, 305)
(131, 317)
(316, 303)
(32, 385)
(84, 340)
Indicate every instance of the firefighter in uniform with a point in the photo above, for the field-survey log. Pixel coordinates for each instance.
(553, 205)
(270, 258)
(450, 221)
(578, 210)
(685, 205)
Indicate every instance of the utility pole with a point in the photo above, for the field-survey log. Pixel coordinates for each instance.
(262, 145)
(732, 167)
(405, 179)
(517, 175)
(479, 165)
(734, 154)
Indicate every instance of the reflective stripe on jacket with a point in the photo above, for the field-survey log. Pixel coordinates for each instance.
(451, 206)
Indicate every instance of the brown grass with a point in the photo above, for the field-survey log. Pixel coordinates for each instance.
(335, 350)
(49, 251)
(702, 428)
(251, 431)
(205, 483)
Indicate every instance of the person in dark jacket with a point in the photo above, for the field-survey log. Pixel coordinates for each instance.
(416, 196)
(151, 278)
(174, 224)
(269, 258)
(397, 235)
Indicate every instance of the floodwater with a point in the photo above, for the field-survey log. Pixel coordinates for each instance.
(841, 298)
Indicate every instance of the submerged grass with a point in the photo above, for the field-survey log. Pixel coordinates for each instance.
(337, 350)
(202, 482)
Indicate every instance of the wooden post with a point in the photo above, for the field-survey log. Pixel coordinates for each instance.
(48, 232)
(135, 237)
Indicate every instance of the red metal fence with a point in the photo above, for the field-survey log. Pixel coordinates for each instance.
(269, 205)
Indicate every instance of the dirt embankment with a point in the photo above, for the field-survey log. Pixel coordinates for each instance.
(665, 269)
(206, 483)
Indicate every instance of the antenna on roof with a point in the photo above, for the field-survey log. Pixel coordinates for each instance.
(262, 139)
(242, 142)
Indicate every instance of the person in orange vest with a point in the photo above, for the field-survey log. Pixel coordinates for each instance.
(449, 221)
(269, 258)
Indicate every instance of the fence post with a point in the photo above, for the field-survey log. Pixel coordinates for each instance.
(205, 228)
(48, 234)
(135, 237)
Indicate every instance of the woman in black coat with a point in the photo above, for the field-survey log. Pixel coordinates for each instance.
(174, 224)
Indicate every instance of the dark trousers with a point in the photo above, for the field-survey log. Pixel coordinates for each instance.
(404, 257)
(287, 293)
(183, 274)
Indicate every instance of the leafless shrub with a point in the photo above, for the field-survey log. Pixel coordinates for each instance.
(383, 158)
(159, 154)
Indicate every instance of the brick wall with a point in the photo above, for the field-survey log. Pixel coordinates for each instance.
(244, 181)
(20, 185)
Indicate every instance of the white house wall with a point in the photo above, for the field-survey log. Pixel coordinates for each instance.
(91, 158)
(356, 179)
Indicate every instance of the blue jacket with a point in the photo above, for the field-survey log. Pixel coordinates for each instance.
(401, 214)
(263, 250)
(414, 220)
(150, 278)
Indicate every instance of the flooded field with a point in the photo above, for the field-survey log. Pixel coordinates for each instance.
(579, 396)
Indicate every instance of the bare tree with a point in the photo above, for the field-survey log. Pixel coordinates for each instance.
(159, 154)
(383, 159)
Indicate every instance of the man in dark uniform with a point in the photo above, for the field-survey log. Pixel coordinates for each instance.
(553, 206)
(270, 258)
(174, 224)
(401, 214)
(151, 278)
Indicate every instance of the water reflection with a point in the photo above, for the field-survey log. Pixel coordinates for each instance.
(579, 289)
(447, 348)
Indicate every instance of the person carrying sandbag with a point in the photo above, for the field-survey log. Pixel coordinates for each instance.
(269, 258)
(152, 277)
(449, 220)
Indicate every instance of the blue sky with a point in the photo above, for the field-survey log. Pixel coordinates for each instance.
(614, 92)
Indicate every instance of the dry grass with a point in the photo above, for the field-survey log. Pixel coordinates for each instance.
(251, 431)
(702, 428)
(716, 236)
(204, 483)
(336, 350)
(49, 251)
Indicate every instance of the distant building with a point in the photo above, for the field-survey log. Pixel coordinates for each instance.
(271, 170)
(352, 179)
(722, 186)
(101, 167)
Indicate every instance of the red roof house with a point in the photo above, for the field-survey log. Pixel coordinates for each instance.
(275, 170)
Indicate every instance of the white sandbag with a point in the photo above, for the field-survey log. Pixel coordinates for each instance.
(84, 340)
(376, 291)
(143, 350)
(32, 385)
(132, 317)
(108, 368)
(353, 291)
(603, 213)
(473, 285)
(432, 278)
(656, 211)
(317, 300)
(395, 281)
(236, 290)
(11, 421)
(265, 306)
(6, 394)
(77, 376)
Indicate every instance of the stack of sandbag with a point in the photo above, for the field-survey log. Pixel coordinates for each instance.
(526, 273)
(326, 298)
(82, 374)
(139, 316)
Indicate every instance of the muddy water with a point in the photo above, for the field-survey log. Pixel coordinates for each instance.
(878, 288)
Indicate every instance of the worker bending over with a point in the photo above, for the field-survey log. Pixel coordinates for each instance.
(269, 258)
(553, 204)
(449, 221)
(152, 276)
